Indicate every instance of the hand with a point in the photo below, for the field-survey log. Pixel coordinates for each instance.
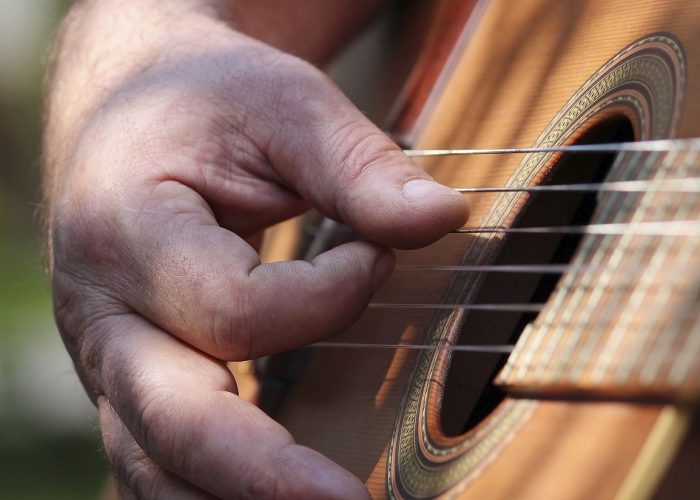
(156, 192)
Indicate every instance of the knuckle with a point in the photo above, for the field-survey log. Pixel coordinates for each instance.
(136, 471)
(154, 415)
(295, 94)
(232, 326)
(359, 151)
(345, 303)
(139, 474)
(132, 468)
(84, 317)
(157, 416)
(165, 432)
(154, 487)
(267, 483)
(297, 83)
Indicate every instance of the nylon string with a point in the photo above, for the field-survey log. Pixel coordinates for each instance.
(658, 145)
(686, 228)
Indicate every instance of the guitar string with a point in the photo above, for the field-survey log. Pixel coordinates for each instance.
(485, 349)
(493, 307)
(658, 145)
(596, 228)
(464, 307)
(683, 185)
(688, 228)
(505, 268)
(612, 254)
(655, 228)
(493, 349)
(656, 268)
(500, 349)
(501, 268)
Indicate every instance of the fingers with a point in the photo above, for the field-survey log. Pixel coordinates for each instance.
(137, 475)
(332, 291)
(206, 285)
(336, 158)
(290, 131)
(148, 235)
(178, 407)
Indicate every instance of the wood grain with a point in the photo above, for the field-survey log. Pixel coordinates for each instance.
(523, 63)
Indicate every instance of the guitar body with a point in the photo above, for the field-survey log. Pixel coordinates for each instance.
(426, 423)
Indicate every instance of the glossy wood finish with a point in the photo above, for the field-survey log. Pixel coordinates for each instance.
(522, 64)
(448, 29)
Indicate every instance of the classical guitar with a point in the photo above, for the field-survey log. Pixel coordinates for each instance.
(551, 348)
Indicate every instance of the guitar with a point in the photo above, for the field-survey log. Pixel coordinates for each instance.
(552, 348)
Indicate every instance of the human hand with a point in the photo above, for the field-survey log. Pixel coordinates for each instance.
(183, 158)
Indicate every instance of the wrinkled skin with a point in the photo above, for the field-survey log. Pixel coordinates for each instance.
(172, 141)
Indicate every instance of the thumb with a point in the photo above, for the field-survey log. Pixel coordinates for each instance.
(331, 154)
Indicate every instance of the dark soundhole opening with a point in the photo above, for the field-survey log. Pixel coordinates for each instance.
(469, 395)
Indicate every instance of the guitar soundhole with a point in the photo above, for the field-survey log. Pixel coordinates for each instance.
(469, 395)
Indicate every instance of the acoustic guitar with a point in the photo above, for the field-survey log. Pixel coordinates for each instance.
(551, 348)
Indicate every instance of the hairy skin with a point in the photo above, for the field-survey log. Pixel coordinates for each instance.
(175, 133)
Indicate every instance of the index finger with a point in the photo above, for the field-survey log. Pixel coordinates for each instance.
(180, 407)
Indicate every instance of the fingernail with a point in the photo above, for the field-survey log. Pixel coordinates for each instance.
(442, 198)
(422, 190)
(383, 267)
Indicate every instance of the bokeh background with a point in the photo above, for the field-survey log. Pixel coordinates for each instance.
(49, 442)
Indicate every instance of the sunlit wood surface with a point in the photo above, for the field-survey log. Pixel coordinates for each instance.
(522, 64)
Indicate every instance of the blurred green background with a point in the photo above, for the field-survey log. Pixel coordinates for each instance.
(49, 442)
